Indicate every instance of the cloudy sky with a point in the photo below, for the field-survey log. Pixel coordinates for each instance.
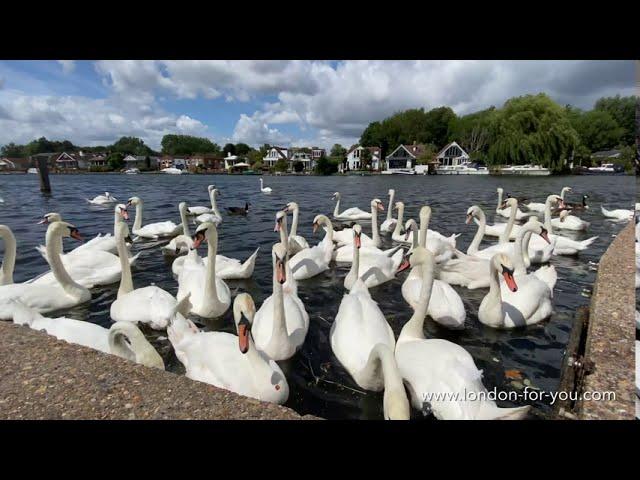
(276, 102)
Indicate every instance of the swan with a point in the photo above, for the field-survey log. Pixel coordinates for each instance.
(210, 295)
(173, 247)
(353, 213)
(502, 210)
(375, 269)
(445, 306)
(439, 244)
(103, 199)
(523, 303)
(363, 342)
(619, 214)
(65, 293)
(229, 361)
(9, 258)
(152, 231)
(431, 367)
(295, 241)
(562, 245)
(569, 222)
(264, 189)
(213, 216)
(389, 224)
(505, 231)
(281, 323)
(312, 261)
(150, 305)
(226, 268)
(122, 339)
(198, 210)
(105, 242)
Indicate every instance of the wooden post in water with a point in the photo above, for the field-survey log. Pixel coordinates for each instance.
(43, 173)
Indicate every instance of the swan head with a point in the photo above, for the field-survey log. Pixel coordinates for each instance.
(410, 226)
(335, 196)
(127, 341)
(398, 206)
(567, 189)
(64, 229)
(377, 203)
(209, 188)
(357, 233)
(534, 225)
(504, 266)
(473, 211)
(121, 209)
(321, 219)
(134, 201)
(182, 207)
(244, 310)
(391, 191)
(215, 192)
(509, 202)
(280, 216)
(563, 215)
(202, 233)
(279, 252)
(419, 256)
(290, 207)
(50, 218)
(553, 199)
(500, 190)
(395, 405)
(425, 212)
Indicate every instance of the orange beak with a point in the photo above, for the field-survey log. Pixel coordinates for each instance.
(277, 226)
(281, 275)
(511, 282)
(76, 234)
(544, 235)
(357, 240)
(44, 220)
(198, 238)
(404, 265)
(469, 218)
(243, 336)
(315, 227)
(380, 207)
(125, 214)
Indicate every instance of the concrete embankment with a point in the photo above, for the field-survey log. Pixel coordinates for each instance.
(45, 378)
(610, 342)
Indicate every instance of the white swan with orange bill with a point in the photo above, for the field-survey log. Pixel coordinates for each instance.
(103, 199)
(313, 261)
(389, 224)
(353, 213)
(152, 231)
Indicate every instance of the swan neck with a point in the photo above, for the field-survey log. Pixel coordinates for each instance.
(184, 220)
(329, 235)
(424, 228)
(390, 206)
(9, 260)
(374, 226)
(212, 250)
(518, 256)
(137, 223)
(547, 217)
(53, 247)
(336, 211)
(506, 234)
(499, 201)
(414, 328)
(399, 223)
(482, 225)
(126, 282)
(382, 362)
(279, 331)
(294, 223)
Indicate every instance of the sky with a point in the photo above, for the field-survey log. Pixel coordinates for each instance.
(280, 102)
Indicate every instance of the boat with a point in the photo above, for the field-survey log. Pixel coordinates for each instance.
(251, 172)
(32, 170)
(132, 171)
(172, 171)
(532, 170)
(399, 171)
(466, 168)
(605, 169)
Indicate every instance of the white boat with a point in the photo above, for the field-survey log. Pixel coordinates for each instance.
(466, 168)
(172, 171)
(32, 170)
(604, 169)
(399, 171)
(386, 172)
(535, 170)
(132, 171)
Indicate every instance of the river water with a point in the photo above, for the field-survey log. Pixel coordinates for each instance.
(318, 384)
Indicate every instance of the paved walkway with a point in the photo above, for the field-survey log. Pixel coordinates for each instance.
(45, 378)
(611, 334)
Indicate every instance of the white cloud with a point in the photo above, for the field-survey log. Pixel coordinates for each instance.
(254, 131)
(68, 66)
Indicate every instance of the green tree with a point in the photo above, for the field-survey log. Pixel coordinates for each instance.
(12, 150)
(229, 148)
(188, 145)
(473, 131)
(242, 149)
(597, 129)
(115, 161)
(327, 165)
(254, 156)
(623, 111)
(338, 151)
(365, 158)
(427, 155)
(281, 165)
(131, 146)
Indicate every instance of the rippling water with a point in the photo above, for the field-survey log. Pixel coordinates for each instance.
(319, 385)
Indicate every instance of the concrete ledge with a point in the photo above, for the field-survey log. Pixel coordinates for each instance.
(611, 333)
(45, 378)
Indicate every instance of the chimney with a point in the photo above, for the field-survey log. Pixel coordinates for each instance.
(415, 143)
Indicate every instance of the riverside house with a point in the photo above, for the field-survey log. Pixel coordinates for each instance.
(353, 161)
(141, 162)
(307, 156)
(403, 158)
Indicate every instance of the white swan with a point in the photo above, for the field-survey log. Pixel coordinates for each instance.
(65, 293)
(353, 213)
(363, 342)
(210, 295)
(9, 258)
(504, 212)
(295, 241)
(505, 231)
(312, 261)
(569, 222)
(122, 339)
(523, 303)
(152, 231)
(173, 247)
(375, 269)
(281, 323)
(344, 253)
(389, 224)
(438, 372)
(213, 216)
(199, 210)
(619, 214)
(106, 242)
(445, 306)
(103, 199)
(150, 305)
(229, 361)
(264, 189)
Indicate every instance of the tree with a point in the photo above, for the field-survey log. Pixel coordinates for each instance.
(242, 149)
(131, 146)
(338, 151)
(427, 155)
(115, 161)
(473, 131)
(187, 145)
(254, 156)
(327, 166)
(12, 150)
(298, 166)
(622, 110)
(229, 148)
(597, 130)
(365, 158)
(281, 165)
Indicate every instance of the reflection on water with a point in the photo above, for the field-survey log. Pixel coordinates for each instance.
(319, 385)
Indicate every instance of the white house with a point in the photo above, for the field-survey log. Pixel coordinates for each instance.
(274, 154)
(452, 155)
(354, 161)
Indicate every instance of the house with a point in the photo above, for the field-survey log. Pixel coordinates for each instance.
(71, 161)
(452, 155)
(404, 156)
(300, 155)
(606, 155)
(14, 164)
(180, 163)
(50, 158)
(274, 154)
(142, 162)
(208, 161)
(316, 154)
(97, 161)
(353, 160)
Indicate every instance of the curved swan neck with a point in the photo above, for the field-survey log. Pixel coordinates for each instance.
(137, 223)
(414, 328)
(547, 217)
(284, 235)
(525, 250)
(329, 234)
(126, 282)
(53, 247)
(355, 264)
(506, 234)
(399, 223)
(336, 211)
(138, 349)
(375, 234)
(214, 204)
(392, 196)
(9, 260)
(482, 225)
(382, 358)
(499, 200)
(294, 223)
(518, 255)
(185, 222)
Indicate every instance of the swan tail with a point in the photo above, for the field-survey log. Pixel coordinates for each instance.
(490, 411)
(22, 314)
(585, 243)
(134, 259)
(548, 275)
(391, 252)
(183, 306)
(42, 251)
(249, 265)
